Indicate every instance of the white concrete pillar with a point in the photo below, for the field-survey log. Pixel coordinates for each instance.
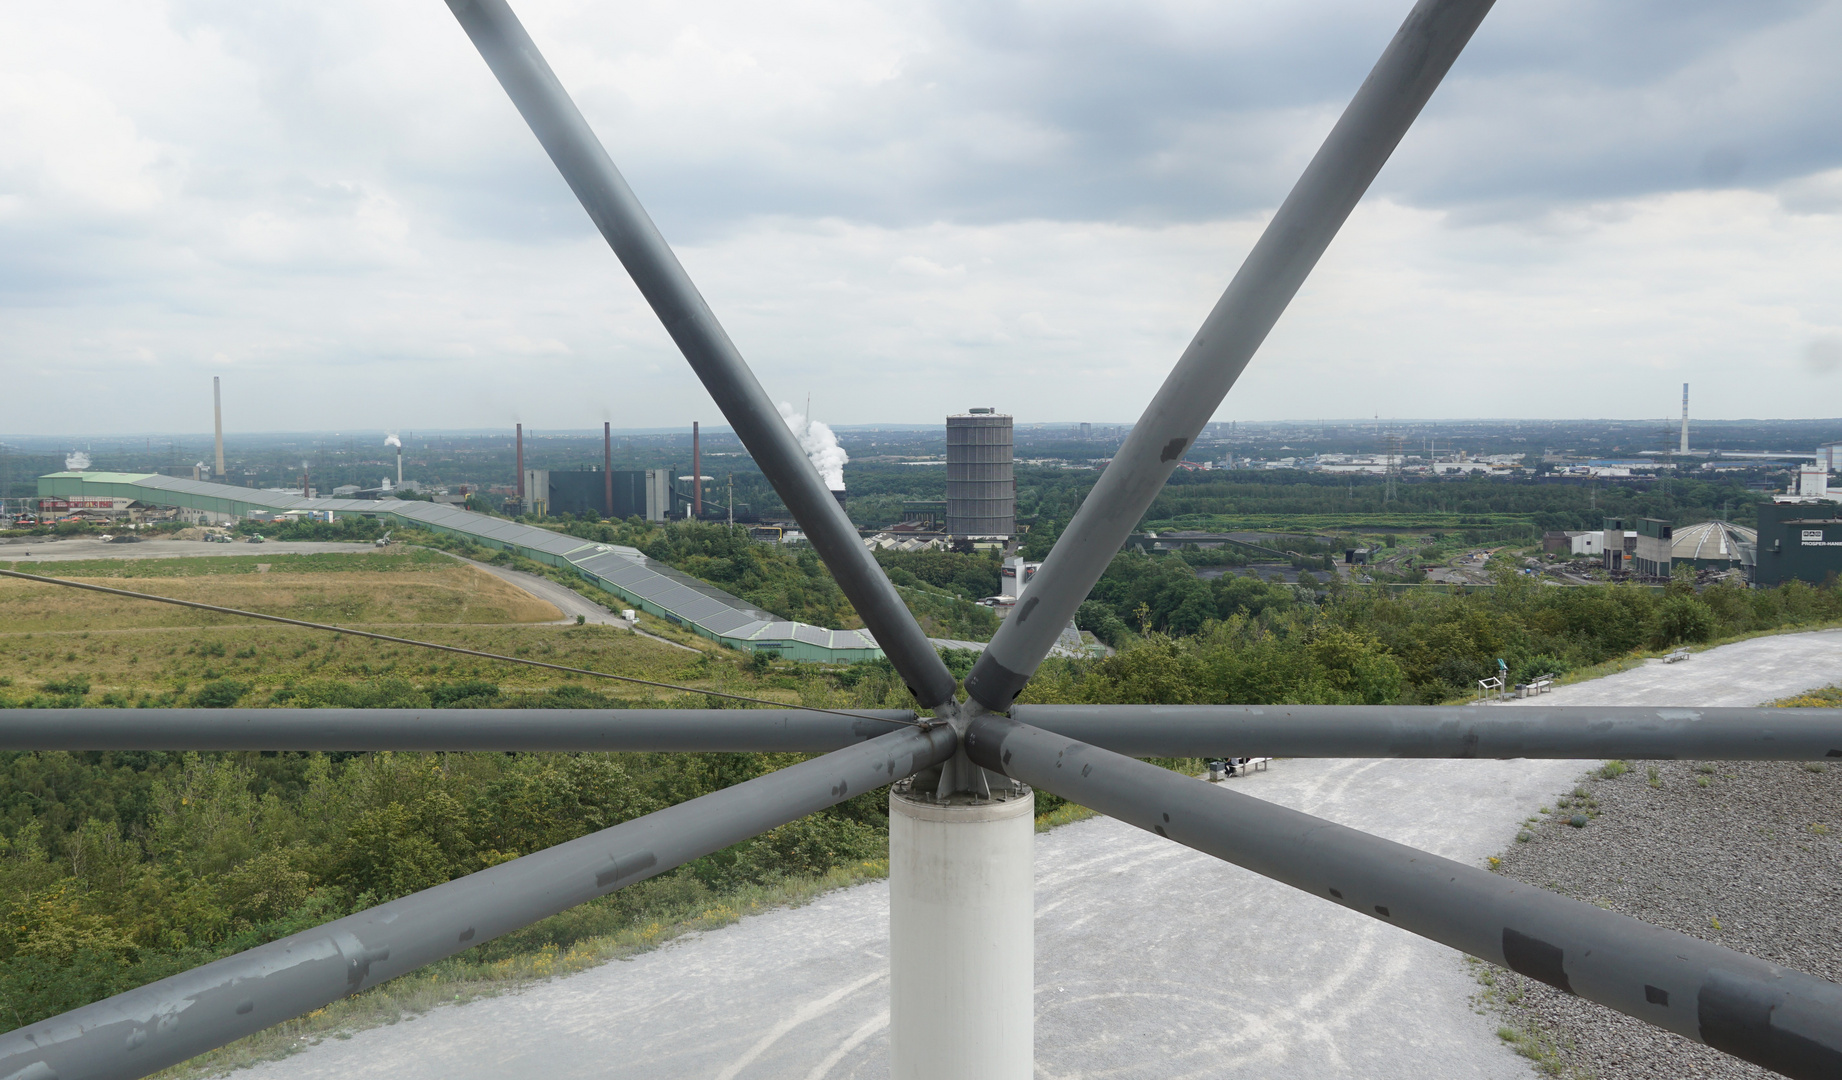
(962, 947)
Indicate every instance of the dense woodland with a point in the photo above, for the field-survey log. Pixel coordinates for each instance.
(120, 868)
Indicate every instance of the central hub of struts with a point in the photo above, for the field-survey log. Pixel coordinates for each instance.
(958, 776)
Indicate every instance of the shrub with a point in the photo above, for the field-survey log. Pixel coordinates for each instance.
(75, 685)
(1681, 619)
(219, 694)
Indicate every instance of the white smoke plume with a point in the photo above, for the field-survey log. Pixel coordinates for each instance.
(820, 444)
(392, 440)
(79, 461)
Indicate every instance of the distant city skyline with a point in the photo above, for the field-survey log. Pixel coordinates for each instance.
(904, 209)
(1663, 428)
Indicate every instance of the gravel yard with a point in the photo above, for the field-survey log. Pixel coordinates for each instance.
(1745, 854)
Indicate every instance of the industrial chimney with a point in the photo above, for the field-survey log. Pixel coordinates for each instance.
(217, 412)
(607, 467)
(697, 476)
(1684, 418)
(521, 468)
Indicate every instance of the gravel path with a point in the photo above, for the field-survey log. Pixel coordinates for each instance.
(1747, 854)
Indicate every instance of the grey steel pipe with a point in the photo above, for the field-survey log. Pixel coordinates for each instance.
(603, 192)
(1583, 732)
(163, 1023)
(1407, 731)
(653, 730)
(1770, 1015)
(1380, 113)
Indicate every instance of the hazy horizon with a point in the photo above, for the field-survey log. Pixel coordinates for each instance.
(52, 439)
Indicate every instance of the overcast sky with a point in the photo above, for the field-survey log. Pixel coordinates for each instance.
(906, 208)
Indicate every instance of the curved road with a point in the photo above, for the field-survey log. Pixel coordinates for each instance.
(1152, 961)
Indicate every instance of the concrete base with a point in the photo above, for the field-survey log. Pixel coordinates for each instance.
(962, 930)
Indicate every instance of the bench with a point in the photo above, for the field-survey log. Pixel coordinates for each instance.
(1541, 684)
(1222, 768)
(1676, 657)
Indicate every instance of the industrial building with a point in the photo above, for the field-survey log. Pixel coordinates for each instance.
(981, 486)
(1713, 545)
(635, 580)
(1618, 544)
(1650, 557)
(586, 493)
(1798, 541)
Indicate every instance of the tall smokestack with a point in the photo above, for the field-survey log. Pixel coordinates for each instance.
(1685, 418)
(697, 476)
(607, 466)
(399, 464)
(521, 468)
(217, 411)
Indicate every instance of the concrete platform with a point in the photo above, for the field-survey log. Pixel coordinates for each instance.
(1740, 675)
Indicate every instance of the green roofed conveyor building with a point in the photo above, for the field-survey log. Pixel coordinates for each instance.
(624, 572)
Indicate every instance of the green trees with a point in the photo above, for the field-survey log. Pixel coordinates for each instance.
(1175, 600)
(1241, 661)
(1269, 639)
(117, 869)
(1680, 619)
(791, 581)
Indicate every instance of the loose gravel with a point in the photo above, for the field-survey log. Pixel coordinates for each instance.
(1744, 854)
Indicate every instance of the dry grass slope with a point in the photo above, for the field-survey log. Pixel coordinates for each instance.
(135, 649)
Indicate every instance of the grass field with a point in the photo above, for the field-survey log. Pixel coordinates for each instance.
(66, 647)
(365, 589)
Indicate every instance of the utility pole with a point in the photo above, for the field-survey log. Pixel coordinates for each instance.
(732, 500)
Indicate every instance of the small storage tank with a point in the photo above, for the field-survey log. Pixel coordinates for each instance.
(981, 489)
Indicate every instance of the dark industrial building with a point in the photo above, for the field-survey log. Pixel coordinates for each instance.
(584, 492)
(981, 487)
(1798, 542)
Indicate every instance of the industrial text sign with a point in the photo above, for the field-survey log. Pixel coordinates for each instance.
(76, 504)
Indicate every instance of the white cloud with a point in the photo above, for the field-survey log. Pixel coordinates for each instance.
(902, 208)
